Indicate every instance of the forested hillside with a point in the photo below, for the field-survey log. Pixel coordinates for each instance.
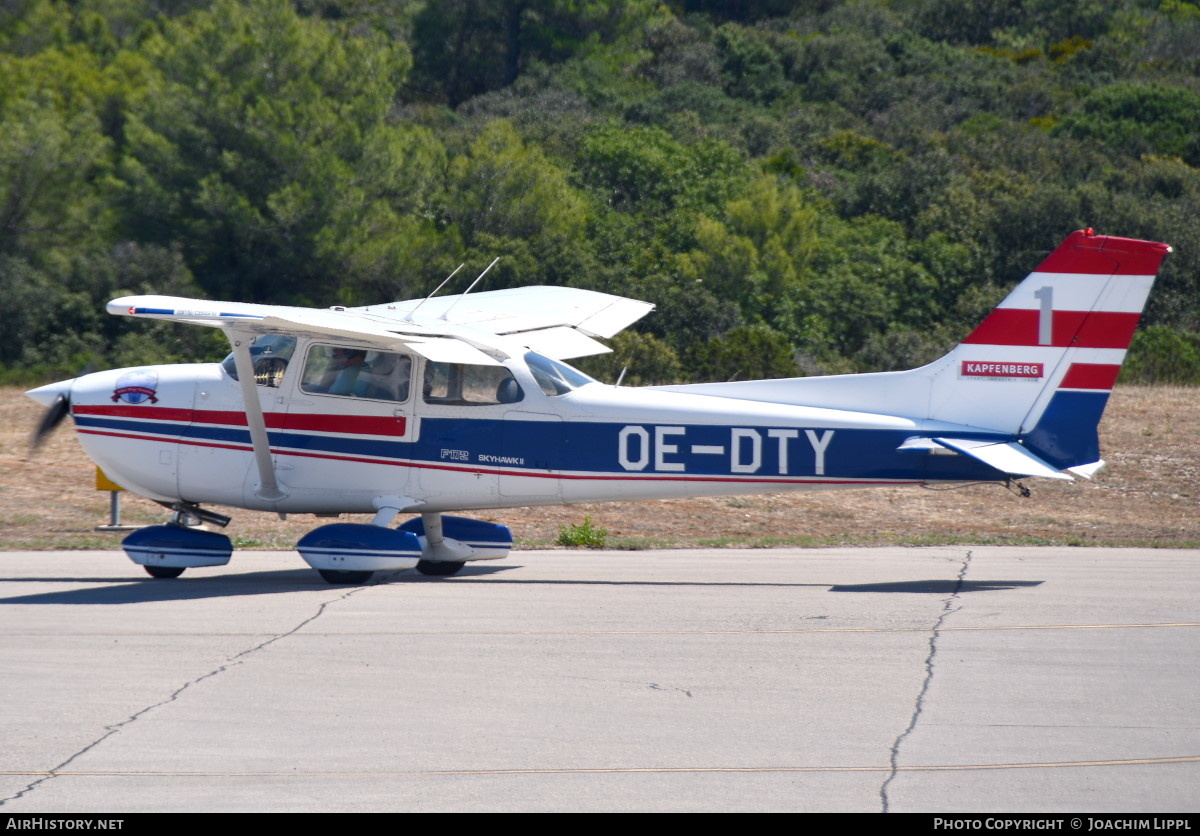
(800, 187)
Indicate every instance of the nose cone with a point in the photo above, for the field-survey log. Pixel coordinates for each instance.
(46, 395)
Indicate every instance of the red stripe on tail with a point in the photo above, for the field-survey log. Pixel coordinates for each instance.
(1077, 329)
(1105, 255)
(1091, 376)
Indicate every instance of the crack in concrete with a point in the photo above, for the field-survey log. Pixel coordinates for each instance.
(948, 608)
(231, 662)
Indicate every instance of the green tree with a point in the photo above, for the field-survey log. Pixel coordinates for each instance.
(505, 197)
(260, 127)
(467, 47)
(1136, 119)
(748, 352)
(760, 253)
(637, 359)
(1161, 355)
(646, 171)
(50, 162)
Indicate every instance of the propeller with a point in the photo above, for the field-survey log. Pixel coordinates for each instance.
(59, 408)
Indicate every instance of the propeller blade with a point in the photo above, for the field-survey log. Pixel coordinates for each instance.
(58, 410)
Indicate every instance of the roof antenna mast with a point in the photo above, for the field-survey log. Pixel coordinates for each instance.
(446, 312)
(435, 290)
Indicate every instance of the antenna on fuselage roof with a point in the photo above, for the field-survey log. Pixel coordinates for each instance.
(446, 312)
(435, 290)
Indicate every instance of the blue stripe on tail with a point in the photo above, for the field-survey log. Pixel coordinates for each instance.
(1066, 435)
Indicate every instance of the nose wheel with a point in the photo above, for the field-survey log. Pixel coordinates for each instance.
(440, 567)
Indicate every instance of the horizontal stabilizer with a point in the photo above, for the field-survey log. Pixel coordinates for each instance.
(1007, 457)
(1087, 471)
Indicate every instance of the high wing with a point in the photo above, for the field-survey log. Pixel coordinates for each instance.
(490, 327)
(436, 344)
(557, 321)
(560, 322)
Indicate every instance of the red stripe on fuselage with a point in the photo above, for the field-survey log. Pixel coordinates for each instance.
(153, 413)
(1090, 376)
(1071, 329)
(304, 422)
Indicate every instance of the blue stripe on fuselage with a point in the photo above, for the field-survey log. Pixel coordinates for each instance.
(636, 450)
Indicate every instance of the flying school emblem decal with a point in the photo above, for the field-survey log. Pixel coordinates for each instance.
(992, 369)
(137, 386)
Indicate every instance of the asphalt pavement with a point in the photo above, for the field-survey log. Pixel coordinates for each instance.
(948, 679)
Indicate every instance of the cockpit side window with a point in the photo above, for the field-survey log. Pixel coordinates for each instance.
(463, 384)
(270, 354)
(553, 377)
(357, 372)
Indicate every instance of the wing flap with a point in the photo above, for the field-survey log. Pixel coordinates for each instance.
(561, 343)
(451, 351)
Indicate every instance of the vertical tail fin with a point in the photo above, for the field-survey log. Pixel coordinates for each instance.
(1043, 363)
(1039, 368)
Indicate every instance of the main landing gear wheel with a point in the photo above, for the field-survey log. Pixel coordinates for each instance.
(163, 571)
(438, 567)
(338, 576)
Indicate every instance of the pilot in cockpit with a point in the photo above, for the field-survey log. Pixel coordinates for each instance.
(334, 370)
(345, 365)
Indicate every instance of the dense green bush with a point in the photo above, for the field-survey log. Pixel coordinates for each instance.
(1163, 355)
(823, 186)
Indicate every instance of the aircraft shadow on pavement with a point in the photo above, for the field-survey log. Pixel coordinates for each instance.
(134, 590)
(939, 587)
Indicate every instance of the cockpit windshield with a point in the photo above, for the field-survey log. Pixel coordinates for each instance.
(553, 377)
(270, 354)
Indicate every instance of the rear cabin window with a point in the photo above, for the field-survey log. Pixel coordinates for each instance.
(357, 373)
(462, 384)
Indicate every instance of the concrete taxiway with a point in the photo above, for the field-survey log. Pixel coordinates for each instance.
(945, 679)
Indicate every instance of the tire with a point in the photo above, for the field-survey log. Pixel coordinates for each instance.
(163, 571)
(341, 577)
(438, 567)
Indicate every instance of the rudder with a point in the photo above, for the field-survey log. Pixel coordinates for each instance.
(1067, 327)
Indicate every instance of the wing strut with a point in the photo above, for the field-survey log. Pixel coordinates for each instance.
(446, 312)
(268, 484)
(408, 317)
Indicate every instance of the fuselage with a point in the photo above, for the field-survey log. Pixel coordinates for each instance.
(454, 403)
(180, 432)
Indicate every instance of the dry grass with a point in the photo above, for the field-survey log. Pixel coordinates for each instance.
(1147, 496)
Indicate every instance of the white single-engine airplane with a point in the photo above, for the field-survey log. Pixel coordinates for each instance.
(463, 402)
